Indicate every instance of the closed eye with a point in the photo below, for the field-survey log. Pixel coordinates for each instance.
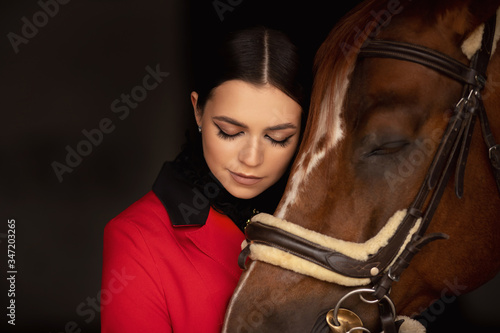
(388, 148)
(283, 143)
(224, 135)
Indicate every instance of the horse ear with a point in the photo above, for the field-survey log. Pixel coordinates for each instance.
(480, 12)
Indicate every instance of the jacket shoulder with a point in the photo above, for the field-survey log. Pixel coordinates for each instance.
(145, 213)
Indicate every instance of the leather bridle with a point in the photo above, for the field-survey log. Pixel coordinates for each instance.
(386, 266)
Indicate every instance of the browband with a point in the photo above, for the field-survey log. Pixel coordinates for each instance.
(421, 55)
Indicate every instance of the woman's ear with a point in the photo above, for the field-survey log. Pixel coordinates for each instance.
(197, 111)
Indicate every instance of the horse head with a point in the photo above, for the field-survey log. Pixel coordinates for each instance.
(368, 169)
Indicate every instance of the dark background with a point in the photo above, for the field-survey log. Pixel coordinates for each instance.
(62, 82)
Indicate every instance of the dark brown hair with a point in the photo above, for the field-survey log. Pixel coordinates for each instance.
(256, 55)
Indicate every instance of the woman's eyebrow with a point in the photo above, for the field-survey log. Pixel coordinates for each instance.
(231, 121)
(272, 128)
(281, 127)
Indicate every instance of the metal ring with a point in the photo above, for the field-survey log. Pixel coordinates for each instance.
(360, 291)
(391, 304)
(373, 301)
(352, 292)
(358, 329)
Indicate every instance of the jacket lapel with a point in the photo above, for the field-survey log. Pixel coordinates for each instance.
(220, 239)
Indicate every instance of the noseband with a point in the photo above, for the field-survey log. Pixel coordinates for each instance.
(386, 265)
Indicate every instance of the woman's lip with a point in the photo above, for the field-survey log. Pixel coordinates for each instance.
(244, 179)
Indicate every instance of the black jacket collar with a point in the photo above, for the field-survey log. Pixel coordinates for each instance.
(186, 205)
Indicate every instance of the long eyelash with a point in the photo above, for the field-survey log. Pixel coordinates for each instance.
(282, 143)
(223, 135)
(226, 136)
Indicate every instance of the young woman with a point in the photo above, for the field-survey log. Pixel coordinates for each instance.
(170, 259)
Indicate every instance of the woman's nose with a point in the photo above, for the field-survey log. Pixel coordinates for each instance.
(252, 154)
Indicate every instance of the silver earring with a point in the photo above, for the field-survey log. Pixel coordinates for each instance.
(199, 129)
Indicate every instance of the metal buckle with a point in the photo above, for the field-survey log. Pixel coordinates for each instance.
(481, 81)
(392, 276)
(490, 151)
(494, 154)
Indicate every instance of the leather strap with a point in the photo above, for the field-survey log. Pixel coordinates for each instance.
(387, 318)
(480, 61)
(243, 256)
(458, 134)
(384, 282)
(421, 55)
(470, 121)
(493, 147)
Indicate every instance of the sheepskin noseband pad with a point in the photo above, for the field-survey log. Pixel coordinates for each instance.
(262, 248)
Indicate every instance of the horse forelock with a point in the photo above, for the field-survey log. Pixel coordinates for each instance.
(334, 64)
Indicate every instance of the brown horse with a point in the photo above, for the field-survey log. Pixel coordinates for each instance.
(374, 129)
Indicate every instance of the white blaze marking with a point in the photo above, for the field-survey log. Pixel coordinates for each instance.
(326, 118)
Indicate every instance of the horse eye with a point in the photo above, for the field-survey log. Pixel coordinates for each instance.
(389, 148)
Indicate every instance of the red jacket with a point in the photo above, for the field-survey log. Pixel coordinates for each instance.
(163, 278)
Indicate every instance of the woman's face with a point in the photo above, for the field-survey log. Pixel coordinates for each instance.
(250, 134)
